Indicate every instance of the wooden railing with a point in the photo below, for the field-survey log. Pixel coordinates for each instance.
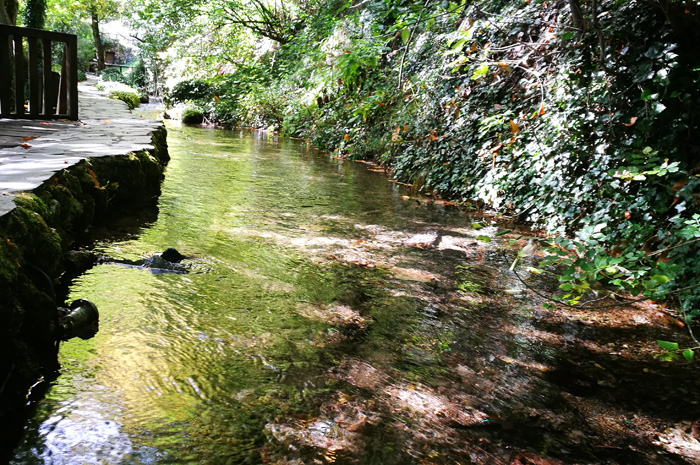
(50, 95)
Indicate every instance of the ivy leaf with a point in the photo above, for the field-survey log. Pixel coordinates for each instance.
(688, 354)
(660, 279)
(668, 356)
(567, 35)
(657, 108)
(670, 346)
(480, 72)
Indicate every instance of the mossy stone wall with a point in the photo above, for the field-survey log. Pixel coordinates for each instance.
(33, 239)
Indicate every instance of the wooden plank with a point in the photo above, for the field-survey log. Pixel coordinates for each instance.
(49, 99)
(72, 50)
(36, 74)
(36, 33)
(62, 104)
(19, 75)
(5, 76)
(34, 87)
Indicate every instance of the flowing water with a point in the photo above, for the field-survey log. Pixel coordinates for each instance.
(327, 316)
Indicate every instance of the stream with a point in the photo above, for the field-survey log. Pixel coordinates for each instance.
(330, 316)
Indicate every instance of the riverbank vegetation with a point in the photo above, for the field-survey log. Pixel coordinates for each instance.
(578, 117)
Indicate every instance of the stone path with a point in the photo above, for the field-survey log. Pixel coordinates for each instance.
(32, 151)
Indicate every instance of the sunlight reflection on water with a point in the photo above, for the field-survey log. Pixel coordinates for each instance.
(208, 366)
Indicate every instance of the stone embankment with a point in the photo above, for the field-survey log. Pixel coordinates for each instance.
(57, 180)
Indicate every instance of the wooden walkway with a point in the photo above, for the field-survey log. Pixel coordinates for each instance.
(20, 132)
(32, 151)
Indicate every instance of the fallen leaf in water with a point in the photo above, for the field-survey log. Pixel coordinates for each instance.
(29, 138)
(26, 146)
(44, 123)
(11, 244)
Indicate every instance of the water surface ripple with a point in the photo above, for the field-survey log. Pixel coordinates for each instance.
(324, 319)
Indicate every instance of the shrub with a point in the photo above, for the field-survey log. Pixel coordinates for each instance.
(114, 75)
(130, 98)
(192, 116)
(139, 76)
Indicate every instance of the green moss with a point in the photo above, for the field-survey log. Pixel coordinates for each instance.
(9, 261)
(33, 237)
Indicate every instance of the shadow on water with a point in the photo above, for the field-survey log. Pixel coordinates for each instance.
(331, 317)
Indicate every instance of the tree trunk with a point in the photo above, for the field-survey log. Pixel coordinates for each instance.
(99, 46)
(3, 14)
(8, 12)
(577, 18)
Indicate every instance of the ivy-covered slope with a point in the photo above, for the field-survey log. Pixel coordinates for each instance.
(580, 117)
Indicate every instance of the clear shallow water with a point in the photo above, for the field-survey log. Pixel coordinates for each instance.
(329, 316)
(204, 366)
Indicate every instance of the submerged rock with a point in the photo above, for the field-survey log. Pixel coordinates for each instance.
(166, 262)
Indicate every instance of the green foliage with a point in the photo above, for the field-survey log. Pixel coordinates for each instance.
(196, 89)
(587, 136)
(35, 14)
(114, 75)
(672, 352)
(192, 115)
(138, 77)
(130, 98)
